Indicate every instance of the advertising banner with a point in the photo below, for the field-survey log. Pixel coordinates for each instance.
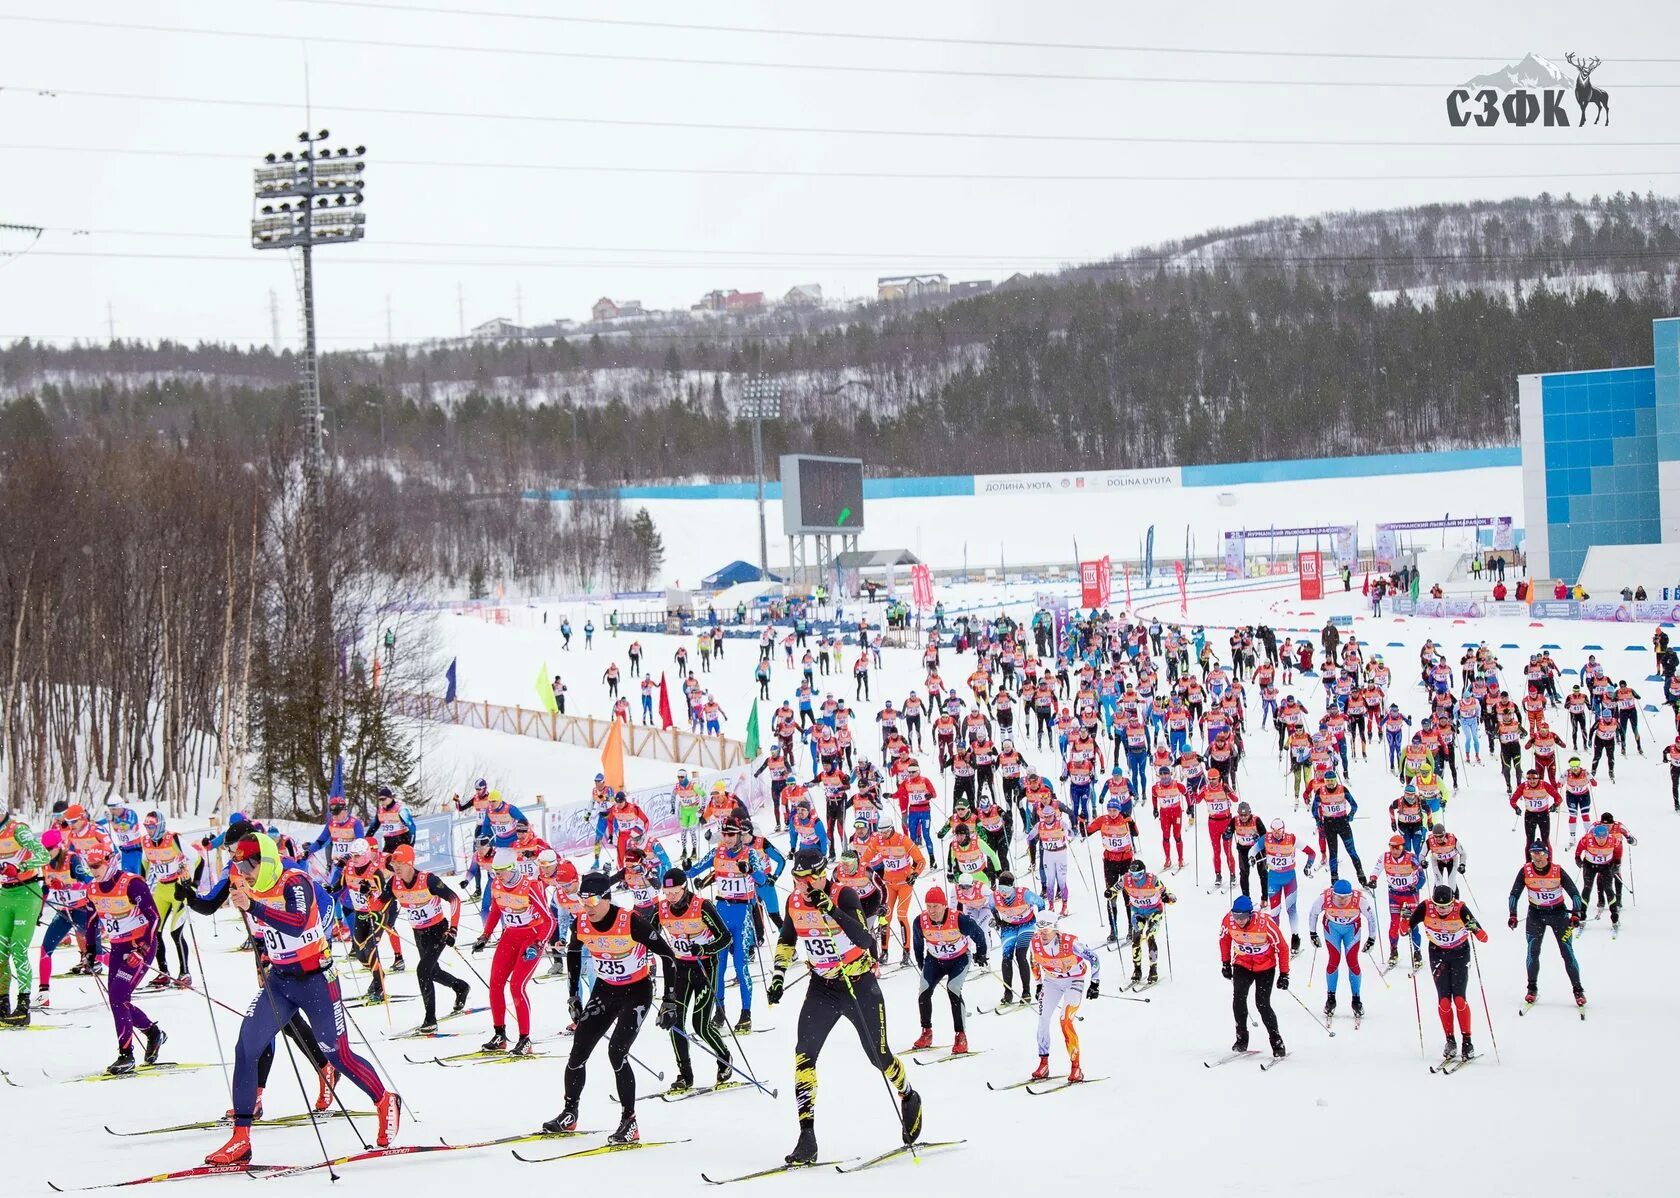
(1310, 562)
(1236, 551)
(1090, 584)
(1504, 534)
(1183, 592)
(1087, 482)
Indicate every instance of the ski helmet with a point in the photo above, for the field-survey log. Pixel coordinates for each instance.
(1443, 895)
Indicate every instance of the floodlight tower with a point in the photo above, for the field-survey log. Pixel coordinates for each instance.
(761, 400)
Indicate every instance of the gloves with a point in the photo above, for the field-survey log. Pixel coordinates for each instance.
(133, 961)
(1574, 919)
(1306, 869)
(574, 1009)
(1227, 971)
(1316, 942)
(773, 992)
(1038, 992)
(1461, 867)
(205, 842)
(1370, 943)
(669, 1013)
(1511, 922)
(478, 946)
(1481, 935)
(449, 938)
(1091, 990)
(531, 953)
(9, 872)
(1283, 981)
(980, 961)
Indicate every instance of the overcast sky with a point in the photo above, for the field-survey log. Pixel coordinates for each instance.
(464, 203)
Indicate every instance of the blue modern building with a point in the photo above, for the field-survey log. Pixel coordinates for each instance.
(1601, 457)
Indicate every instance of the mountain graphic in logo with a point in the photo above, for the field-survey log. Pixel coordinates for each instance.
(1533, 73)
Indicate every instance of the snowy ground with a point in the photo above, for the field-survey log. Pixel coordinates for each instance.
(1359, 1110)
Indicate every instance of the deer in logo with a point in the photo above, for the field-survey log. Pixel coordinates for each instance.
(1585, 92)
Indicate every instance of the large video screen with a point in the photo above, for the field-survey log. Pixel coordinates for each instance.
(822, 494)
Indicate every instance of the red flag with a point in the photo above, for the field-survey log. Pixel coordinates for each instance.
(1365, 587)
(921, 586)
(664, 704)
(1105, 577)
(1128, 569)
(1183, 594)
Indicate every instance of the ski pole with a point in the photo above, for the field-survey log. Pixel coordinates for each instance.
(658, 1076)
(751, 1080)
(1417, 1006)
(227, 1078)
(1312, 966)
(1486, 1013)
(1322, 1026)
(1166, 934)
(893, 1096)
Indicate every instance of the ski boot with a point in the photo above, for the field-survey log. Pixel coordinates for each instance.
(627, 1132)
(155, 1037)
(1330, 1006)
(1580, 997)
(1218, 882)
(398, 965)
(1075, 1072)
(1137, 974)
(556, 965)
(43, 999)
(1417, 957)
(683, 1083)
(1240, 1044)
(925, 1040)
(1278, 1049)
(522, 1047)
(1358, 1008)
(326, 1082)
(427, 1026)
(1393, 956)
(1043, 1070)
(183, 981)
(566, 1120)
(959, 1046)
(123, 1065)
(162, 981)
(725, 1071)
(1008, 996)
(461, 996)
(1154, 974)
(1294, 943)
(1064, 906)
(1450, 1050)
(1468, 1049)
(236, 1151)
(19, 1015)
(376, 992)
(497, 1042)
(390, 1115)
(1528, 999)
(804, 1150)
(744, 1023)
(910, 1116)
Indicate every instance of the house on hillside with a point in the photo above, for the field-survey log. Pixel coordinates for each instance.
(904, 287)
(714, 301)
(805, 295)
(499, 328)
(604, 309)
(1015, 282)
(970, 287)
(744, 301)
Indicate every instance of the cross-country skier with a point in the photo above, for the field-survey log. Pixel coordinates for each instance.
(1060, 965)
(698, 937)
(288, 907)
(1015, 909)
(826, 923)
(939, 939)
(1251, 955)
(1553, 902)
(619, 942)
(129, 921)
(1449, 924)
(432, 912)
(1347, 918)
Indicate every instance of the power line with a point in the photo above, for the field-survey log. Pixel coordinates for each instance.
(743, 64)
(918, 39)
(934, 176)
(1048, 136)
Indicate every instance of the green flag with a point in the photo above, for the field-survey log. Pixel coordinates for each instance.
(752, 732)
(545, 690)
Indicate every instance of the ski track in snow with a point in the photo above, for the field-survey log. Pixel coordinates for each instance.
(1344, 1092)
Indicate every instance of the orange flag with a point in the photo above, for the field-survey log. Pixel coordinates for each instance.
(612, 756)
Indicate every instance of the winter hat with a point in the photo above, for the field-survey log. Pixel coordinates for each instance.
(1243, 905)
(935, 897)
(593, 883)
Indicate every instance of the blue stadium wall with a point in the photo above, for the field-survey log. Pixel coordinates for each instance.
(1601, 457)
(1228, 475)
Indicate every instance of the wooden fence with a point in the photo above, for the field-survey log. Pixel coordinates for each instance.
(640, 740)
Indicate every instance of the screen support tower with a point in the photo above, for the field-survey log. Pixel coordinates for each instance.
(811, 555)
(761, 400)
